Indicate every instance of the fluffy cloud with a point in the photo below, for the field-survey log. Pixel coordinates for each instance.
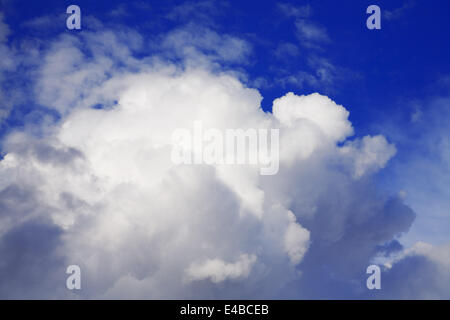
(98, 188)
(125, 209)
(419, 272)
(369, 153)
(219, 271)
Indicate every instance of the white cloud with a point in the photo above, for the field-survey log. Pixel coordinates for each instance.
(419, 272)
(296, 240)
(368, 154)
(98, 188)
(318, 71)
(219, 271)
(310, 33)
(197, 44)
(330, 118)
(286, 50)
(421, 166)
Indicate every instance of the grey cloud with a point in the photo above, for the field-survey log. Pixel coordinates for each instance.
(31, 267)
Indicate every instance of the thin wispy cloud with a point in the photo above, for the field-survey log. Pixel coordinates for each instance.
(399, 12)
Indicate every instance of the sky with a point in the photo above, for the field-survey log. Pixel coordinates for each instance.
(86, 118)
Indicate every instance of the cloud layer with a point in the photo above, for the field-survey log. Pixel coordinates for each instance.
(97, 187)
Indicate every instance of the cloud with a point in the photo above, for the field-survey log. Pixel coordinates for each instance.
(316, 71)
(200, 12)
(295, 239)
(120, 11)
(98, 188)
(399, 12)
(420, 168)
(285, 50)
(290, 10)
(219, 271)
(330, 118)
(419, 272)
(29, 254)
(369, 153)
(311, 34)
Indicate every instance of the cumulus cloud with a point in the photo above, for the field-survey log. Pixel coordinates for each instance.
(420, 167)
(202, 12)
(330, 118)
(219, 271)
(295, 239)
(98, 187)
(368, 153)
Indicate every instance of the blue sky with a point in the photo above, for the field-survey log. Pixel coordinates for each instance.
(382, 70)
(394, 82)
